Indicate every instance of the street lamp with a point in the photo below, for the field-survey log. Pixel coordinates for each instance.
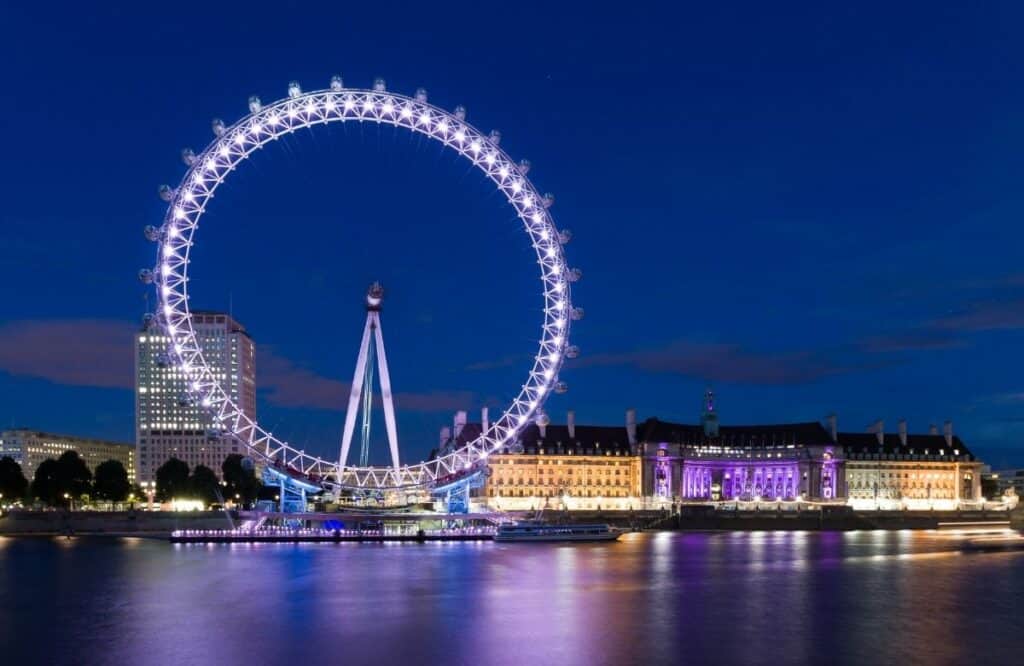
(149, 487)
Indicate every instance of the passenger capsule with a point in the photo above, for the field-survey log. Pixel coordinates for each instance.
(379, 85)
(575, 274)
(524, 166)
(421, 95)
(549, 200)
(294, 89)
(218, 126)
(561, 387)
(151, 233)
(254, 104)
(577, 314)
(185, 401)
(165, 192)
(564, 236)
(572, 351)
(542, 419)
(460, 112)
(495, 137)
(146, 276)
(162, 361)
(188, 156)
(337, 84)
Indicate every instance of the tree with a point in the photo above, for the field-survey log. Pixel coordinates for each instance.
(61, 481)
(46, 483)
(75, 477)
(111, 481)
(203, 484)
(240, 479)
(172, 479)
(13, 483)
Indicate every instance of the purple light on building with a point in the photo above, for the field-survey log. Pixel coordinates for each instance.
(741, 479)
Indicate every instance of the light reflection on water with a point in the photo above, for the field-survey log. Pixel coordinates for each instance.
(761, 597)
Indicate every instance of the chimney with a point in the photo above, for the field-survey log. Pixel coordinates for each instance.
(933, 429)
(878, 427)
(903, 432)
(947, 432)
(833, 427)
(485, 422)
(631, 426)
(446, 434)
(542, 420)
(571, 422)
(460, 422)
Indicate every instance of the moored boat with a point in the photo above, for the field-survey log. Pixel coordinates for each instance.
(536, 531)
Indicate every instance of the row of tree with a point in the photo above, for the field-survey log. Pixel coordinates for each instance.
(173, 481)
(67, 480)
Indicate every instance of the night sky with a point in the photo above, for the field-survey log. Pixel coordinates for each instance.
(810, 209)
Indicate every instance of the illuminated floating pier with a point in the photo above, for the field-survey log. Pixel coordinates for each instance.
(313, 535)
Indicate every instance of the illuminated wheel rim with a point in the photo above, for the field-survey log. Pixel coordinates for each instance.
(233, 144)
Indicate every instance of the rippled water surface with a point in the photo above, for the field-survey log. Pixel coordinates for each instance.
(778, 598)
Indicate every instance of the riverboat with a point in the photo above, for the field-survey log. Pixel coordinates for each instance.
(535, 531)
(1011, 541)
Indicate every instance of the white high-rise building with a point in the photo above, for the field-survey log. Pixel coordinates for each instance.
(167, 423)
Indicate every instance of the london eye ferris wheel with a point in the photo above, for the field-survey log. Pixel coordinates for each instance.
(232, 144)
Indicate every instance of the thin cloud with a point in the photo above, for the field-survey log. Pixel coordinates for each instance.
(729, 363)
(985, 316)
(912, 340)
(284, 383)
(73, 352)
(99, 353)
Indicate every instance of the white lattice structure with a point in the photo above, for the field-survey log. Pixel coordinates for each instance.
(233, 144)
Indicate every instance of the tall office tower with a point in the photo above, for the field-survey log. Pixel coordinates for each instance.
(170, 424)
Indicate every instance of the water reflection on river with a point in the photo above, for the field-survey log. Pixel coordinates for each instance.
(779, 598)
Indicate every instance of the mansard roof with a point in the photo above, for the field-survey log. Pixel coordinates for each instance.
(654, 430)
(866, 443)
(585, 440)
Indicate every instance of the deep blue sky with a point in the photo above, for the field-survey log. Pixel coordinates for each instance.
(811, 208)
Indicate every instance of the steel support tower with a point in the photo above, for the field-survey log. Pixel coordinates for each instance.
(362, 385)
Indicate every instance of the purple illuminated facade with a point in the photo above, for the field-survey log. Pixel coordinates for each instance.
(707, 461)
(693, 472)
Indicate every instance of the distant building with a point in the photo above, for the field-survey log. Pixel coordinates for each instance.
(557, 467)
(168, 423)
(30, 447)
(1006, 479)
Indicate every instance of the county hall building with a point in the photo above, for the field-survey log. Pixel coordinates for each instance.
(658, 463)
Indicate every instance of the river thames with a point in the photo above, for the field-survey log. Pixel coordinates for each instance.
(772, 598)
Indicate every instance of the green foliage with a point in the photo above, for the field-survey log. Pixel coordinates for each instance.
(204, 485)
(111, 482)
(242, 484)
(172, 480)
(13, 484)
(46, 484)
(68, 475)
(76, 478)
